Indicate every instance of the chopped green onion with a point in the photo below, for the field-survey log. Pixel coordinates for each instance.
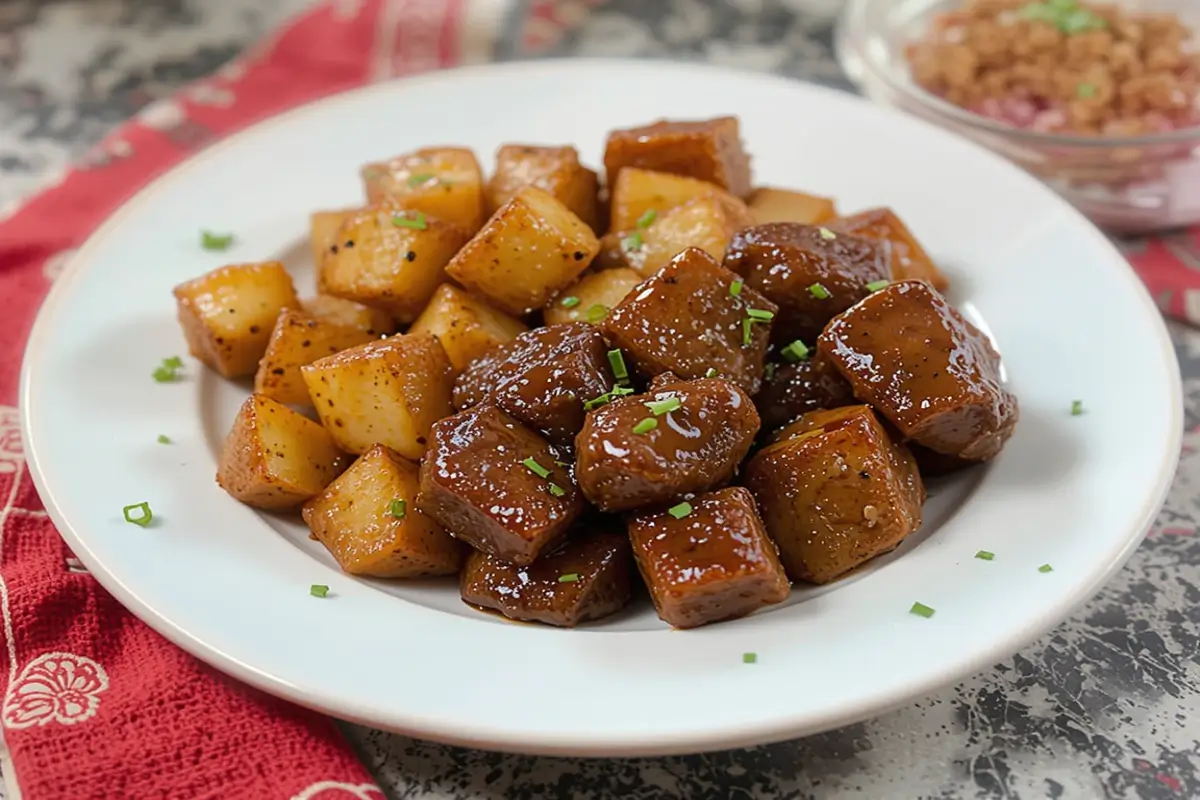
(711, 372)
(1086, 90)
(632, 242)
(796, 351)
(735, 288)
(769, 372)
(1076, 408)
(617, 361)
(1045, 568)
(646, 425)
(749, 658)
(681, 510)
(537, 469)
(164, 439)
(423, 177)
(747, 333)
(561, 463)
(569, 302)
(215, 241)
(660, 407)
(398, 508)
(168, 370)
(318, 590)
(621, 391)
(818, 291)
(173, 362)
(647, 218)
(596, 402)
(570, 577)
(921, 610)
(143, 517)
(985, 555)
(557, 490)
(597, 313)
(875, 286)
(827, 234)
(759, 314)
(416, 222)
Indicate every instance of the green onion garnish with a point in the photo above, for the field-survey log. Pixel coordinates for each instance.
(747, 333)
(827, 234)
(647, 218)
(416, 222)
(760, 315)
(735, 288)
(660, 407)
(570, 577)
(985, 555)
(1045, 568)
(646, 425)
(537, 469)
(796, 351)
(617, 361)
(143, 517)
(597, 313)
(557, 490)
(1076, 408)
(423, 177)
(398, 508)
(875, 286)
(768, 372)
(711, 372)
(569, 302)
(749, 658)
(621, 391)
(318, 590)
(168, 370)
(818, 291)
(921, 610)
(215, 241)
(1086, 90)
(632, 242)
(597, 401)
(164, 439)
(680, 511)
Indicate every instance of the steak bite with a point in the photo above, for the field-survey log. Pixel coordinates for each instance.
(798, 388)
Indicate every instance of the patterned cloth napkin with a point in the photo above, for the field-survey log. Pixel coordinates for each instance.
(96, 705)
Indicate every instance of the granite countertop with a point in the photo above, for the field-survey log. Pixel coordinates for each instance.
(1107, 705)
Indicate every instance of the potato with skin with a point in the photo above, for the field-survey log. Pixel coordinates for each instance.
(323, 231)
(296, 340)
(687, 320)
(227, 315)
(768, 204)
(275, 458)
(591, 297)
(796, 389)
(389, 392)
(707, 223)
(554, 169)
(701, 431)
(708, 150)
(812, 273)
(836, 494)
(369, 522)
(443, 182)
(497, 485)
(909, 259)
(712, 563)
(467, 327)
(389, 258)
(529, 251)
(586, 579)
(638, 191)
(335, 310)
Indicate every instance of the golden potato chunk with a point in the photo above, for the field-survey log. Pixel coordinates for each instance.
(467, 327)
(299, 339)
(444, 182)
(275, 458)
(707, 223)
(710, 150)
(389, 258)
(388, 392)
(639, 191)
(227, 315)
(527, 252)
(323, 231)
(555, 169)
(909, 259)
(328, 308)
(591, 297)
(768, 204)
(369, 521)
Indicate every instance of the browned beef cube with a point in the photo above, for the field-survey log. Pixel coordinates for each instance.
(798, 388)
(542, 378)
(495, 484)
(810, 272)
(710, 150)
(835, 492)
(686, 320)
(707, 559)
(585, 579)
(680, 437)
(925, 368)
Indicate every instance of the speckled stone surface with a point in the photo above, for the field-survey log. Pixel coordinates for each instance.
(1105, 706)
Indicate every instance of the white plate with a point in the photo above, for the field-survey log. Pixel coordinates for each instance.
(231, 585)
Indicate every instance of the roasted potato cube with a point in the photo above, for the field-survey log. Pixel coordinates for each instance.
(554, 169)
(810, 272)
(585, 579)
(639, 191)
(391, 259)
(275, 458)
(909, 259)
(227, 314)
(709, 150)
(497, 485)
(542, 378)
(527, 252)
(925, 368)
(768, 204)
(707, 223)
(443, 182)
(688, 320)
(795, 389)
(298, 339)
(389, 392)
(591, 297)
(328, 308)
(836, 495)
(323, 231)
(467, 327)
(707, 559)
(679, 437)
(369, 521)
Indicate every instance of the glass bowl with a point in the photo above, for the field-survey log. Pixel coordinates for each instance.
(1128, 185)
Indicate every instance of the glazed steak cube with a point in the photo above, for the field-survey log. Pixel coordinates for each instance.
(687, 320)
(837, 492)
(925, 368)
(680, 437)
(810, 272)
(541, 378)
(585, 579)
(495, 484)
(710, 150)
(796, 389)
(708, 560)
(909, 259)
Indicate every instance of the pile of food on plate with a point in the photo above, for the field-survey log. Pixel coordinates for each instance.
(730, 386)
